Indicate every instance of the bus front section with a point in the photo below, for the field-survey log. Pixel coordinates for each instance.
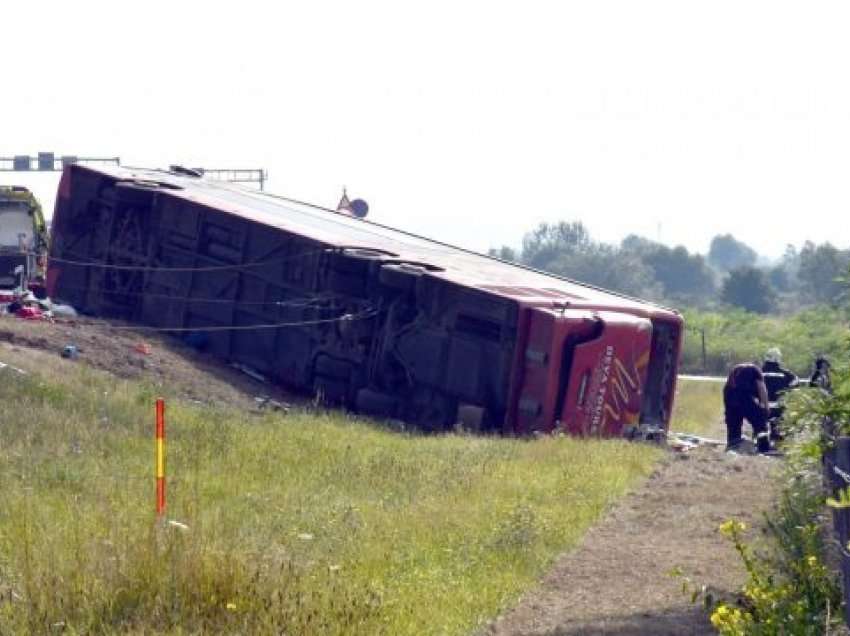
(595, 373)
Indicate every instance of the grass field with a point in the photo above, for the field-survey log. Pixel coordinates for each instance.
(698, 408)
(299, 523)
(734, 336)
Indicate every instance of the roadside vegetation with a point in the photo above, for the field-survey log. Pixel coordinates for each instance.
(741, 302)
(793, 578)
(698, 407)
(309, 522)
(736, 335)
(792, 584)
(730, 274)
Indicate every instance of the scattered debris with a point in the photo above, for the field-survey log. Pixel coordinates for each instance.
(30, 312)
(3, 365)
(64, 311)
(305, 536)
(687, 441)
(178, 525)
(24, 304)
(681, 446)
(259, 377)
(70, 351)
(264, 402)
(142, 347)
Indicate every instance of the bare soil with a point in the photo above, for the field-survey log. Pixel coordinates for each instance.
(617, 581)
(180, 369)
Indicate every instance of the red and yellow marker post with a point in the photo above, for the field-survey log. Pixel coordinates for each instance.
(160, 457)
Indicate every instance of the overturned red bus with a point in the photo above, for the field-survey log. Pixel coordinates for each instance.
(371, 317)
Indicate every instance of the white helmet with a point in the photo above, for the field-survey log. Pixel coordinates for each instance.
(773, 355)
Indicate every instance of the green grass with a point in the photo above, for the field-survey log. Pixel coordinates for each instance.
(304, 523)
(737, 336)
(698, 408)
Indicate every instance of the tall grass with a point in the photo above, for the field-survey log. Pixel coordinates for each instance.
(304, 523)
(698, 408)
(737, 336)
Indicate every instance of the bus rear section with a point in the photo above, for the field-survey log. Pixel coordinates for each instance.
(600, 373)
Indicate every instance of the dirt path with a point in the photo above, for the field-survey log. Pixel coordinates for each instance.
(617, 581)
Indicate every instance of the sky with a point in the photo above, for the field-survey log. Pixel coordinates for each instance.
(469, 122)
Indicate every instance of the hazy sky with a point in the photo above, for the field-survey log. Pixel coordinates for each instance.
(466, 121)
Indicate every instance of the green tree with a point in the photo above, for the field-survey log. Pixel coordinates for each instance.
(548, 241)
(726, 253)
(605, 266)
(568, 250)
(682, 275)
(748, 288)
(819, 271)
(504, 253)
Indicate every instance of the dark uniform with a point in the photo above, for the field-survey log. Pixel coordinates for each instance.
(741, 401)
(820, 377)
(777, 380)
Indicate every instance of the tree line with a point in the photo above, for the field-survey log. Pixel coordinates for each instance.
(731, 274)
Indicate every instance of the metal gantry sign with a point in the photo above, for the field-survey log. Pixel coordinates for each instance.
(51, 162)
(48, 162)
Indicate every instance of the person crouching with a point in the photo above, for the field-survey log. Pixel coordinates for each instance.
(745, 397)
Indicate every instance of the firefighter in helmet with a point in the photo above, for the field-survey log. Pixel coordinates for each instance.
(820, 376)
(777, 379)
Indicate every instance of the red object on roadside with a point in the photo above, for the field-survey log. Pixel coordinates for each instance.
(142, 347)
(6, 297)
(30, 313)
(160, 456)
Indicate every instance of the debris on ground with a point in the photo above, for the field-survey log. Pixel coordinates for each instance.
(70, 351)
(61, 310)
(178, 525)
(31, 313)
(172, 366)
(264, 402)
(685, 442)
(25, 304)
(3, 365)
(142, 347)
(251, 373)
